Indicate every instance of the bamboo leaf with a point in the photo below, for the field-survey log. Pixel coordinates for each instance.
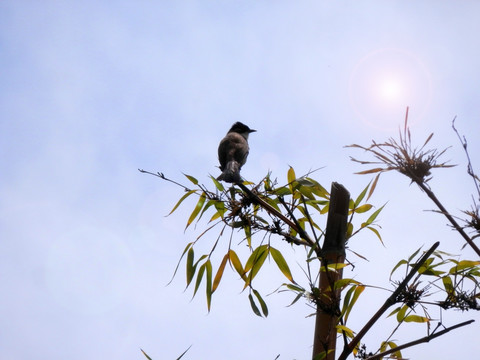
(372, 217)
(218, 184)
(209, 283)
(192, 179)
(370, 171)
(356, 294)
(349, 230)
(416, 318)
(291, 175)
(414, 254)
(257, 264)
(263, 305)
(448, 284)
(180, 260)
(363, 208)
(375, 231)
(200, 273)
(374, 185)
(196, 210)
(144, 353)
(345, 330)
(401, 313)
(400, 263)
(281, 263)
(464, 264)
(181, 200)
(184, 353)
(361, 196)
(190, 268)
(299, 295)
(237, 265)
(254, 306)
(219, 274)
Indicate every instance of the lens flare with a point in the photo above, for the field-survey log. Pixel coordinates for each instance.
(384, 83)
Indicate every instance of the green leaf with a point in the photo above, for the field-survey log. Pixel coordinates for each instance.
(219, 274)
(217, 183)
(464, 264)
(248, 234)
(397, 354)
(192, 179)
(184, 353)
(254, 306)
(282, 191)
(341, 329)
(235, 261)
(322, 355)
(144, 353)
(401, 313)
(189, 245)
(257, 262)
(253, 256)
(200, 273)
(372, 217)
(190, 268)
(299, 295)
(349, 230)
(400, 263)
(448, 284)
(363, 208)
(394, 312)
(416, 318)
(181, 200)
(209, 284)
(196, 210)
(281, 263)
(291, 178)
(361, 196)
(414, 254)
(307, 192)
(376, 232)
(272, 203)
(356, 294)
(263, 305)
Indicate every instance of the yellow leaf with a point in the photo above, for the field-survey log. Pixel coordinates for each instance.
(219, 274)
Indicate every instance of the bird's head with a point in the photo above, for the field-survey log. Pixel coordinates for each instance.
(241, 129)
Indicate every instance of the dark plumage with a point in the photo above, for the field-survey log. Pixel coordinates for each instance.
(233, 152)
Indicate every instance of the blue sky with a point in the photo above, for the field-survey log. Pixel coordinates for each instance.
(90, 91)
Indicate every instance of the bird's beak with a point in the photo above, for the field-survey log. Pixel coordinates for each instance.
(252, 130)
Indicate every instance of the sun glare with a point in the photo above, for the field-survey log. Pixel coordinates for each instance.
(390, 89)
(384, 83)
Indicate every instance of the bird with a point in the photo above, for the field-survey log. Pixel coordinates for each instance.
(233, 151)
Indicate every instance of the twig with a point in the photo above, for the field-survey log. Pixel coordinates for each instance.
(389, 302)
(419, 341)
(270, 209)
(469, 166)
(162, 176)
(450, 218)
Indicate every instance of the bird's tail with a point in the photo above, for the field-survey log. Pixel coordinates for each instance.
(231, 173)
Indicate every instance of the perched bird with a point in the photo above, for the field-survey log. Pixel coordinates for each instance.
(233, 152)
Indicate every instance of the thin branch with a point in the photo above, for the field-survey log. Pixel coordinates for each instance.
(270, 209)
(450, 218)
(419, 341)
(389, 302)
(162, 176)
(469, 166)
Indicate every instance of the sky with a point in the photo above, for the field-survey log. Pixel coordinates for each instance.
(91, 91)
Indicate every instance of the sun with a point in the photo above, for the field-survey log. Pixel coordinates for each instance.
(390, 89)
(384, 83)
